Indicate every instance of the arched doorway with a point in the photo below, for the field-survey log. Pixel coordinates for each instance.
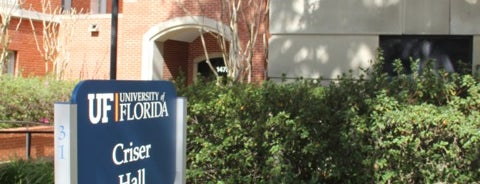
(170, 47)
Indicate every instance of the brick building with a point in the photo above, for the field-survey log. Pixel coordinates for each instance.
(156, 39)
(306, 38)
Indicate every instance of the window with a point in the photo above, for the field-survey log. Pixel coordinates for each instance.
(204, 70)
(449, 53)
(98, 6)
(66, 4)
(9, 65)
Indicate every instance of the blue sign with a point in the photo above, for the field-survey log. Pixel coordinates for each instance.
(126, 131)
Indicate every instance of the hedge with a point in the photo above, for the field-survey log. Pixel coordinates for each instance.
(27, 171)
(407, 128)
(30, 99)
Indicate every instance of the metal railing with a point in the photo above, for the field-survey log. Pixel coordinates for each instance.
(28, 133)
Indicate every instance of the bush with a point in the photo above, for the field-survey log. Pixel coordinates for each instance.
(246, 134)
(408, 128)
(27, 171)
(31, 99)
(425, 144)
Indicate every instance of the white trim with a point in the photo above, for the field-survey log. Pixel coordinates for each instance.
(147, 57)
(181, 141)
(175, 24)
(28, 14)
(160, 33)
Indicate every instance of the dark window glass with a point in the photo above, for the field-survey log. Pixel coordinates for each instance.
(448, 53)
(217, 63)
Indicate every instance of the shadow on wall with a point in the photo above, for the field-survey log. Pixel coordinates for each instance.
(472, 1)
(319, 56)
(335, 16)
(329, 56)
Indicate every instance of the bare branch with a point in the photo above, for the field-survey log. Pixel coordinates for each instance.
(206, 55)
(6, 11)
(238, 52)
(53, 47)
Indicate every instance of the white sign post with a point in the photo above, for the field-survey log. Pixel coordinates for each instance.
(181, 139)
(65, 141)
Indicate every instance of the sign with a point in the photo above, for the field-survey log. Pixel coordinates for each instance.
(125, 132)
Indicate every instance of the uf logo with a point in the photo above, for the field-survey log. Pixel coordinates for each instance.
(102, 107)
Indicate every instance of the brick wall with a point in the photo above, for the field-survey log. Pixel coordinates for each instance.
(28, 58)
(86, 5)
(13, 145)
(83, 5)
(176, 57)
(153, 12)
(89, 54)
(179, 55)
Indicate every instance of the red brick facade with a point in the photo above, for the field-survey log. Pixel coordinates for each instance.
(176, 57)
(12, 145)
(90, 61)
(22, 41)
(89, 52)
(136, 20)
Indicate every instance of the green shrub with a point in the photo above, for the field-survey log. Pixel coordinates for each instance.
(31, 99)
(245, 126)
(425, 144)
(408, 128)
(27, 171)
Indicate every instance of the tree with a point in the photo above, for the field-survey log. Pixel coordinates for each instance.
(254, 15)
(55, 41)
(241, 16)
